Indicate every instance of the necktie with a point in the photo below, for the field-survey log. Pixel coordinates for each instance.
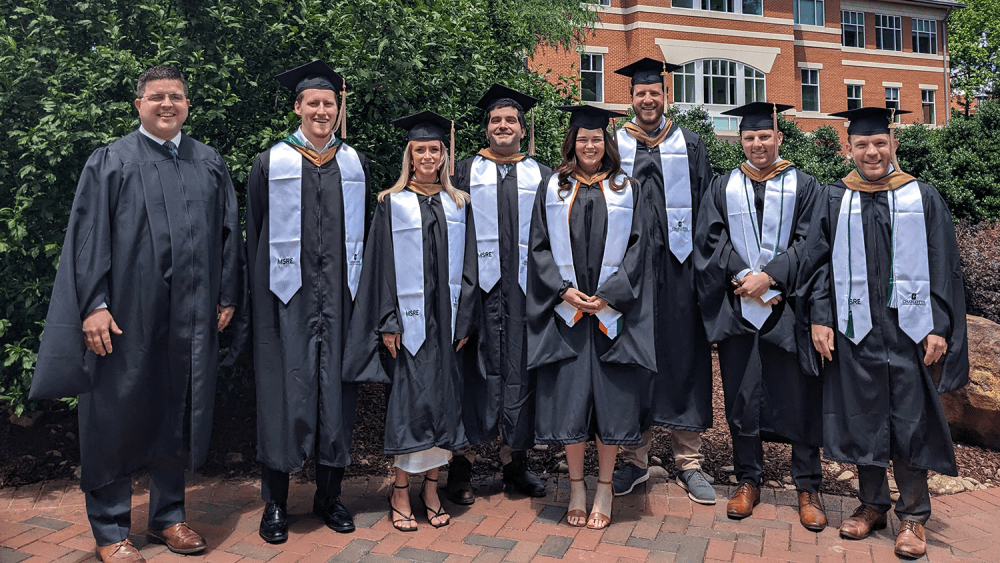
(170, 146)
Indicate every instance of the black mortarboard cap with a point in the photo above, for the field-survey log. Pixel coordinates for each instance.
(589, 117)
(646, 71)
(425, 126)
(869, 120)
(499, 92)
(757, 116)
(316, 74)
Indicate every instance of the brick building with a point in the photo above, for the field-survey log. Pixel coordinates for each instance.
(821, 56)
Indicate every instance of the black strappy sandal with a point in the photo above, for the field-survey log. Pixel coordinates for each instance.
(432, 514)
(396, 523)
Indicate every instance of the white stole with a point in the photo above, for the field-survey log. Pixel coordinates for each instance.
(910, 287)
(775, 232)
(483, 188)
(408, 258)
(620, 206)
(285, 217)
(676, 186)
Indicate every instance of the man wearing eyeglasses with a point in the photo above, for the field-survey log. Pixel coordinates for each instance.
(150, 272)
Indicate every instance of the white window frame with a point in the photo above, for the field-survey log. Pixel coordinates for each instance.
(929, 98)
(737, 6)
(692, 74)
(885, 24)
(856, 89)
(892, 97)
(929, 30)
(600, 75)
(811, 73)
(858, 26)
(605, 3)
(819, 9)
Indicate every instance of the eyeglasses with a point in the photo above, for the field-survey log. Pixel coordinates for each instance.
(157, 98)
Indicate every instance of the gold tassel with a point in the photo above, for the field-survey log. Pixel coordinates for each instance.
(343, 112)
(892, 140)
(451, 162)
(774, 118)
(663, 78)
(531, 137)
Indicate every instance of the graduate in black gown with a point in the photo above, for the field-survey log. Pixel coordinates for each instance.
(881, 309)
(151, 270)
(307, 201)
(672, 168)
(589, 319)
(751, 230)
(416, 308)
(500, 392)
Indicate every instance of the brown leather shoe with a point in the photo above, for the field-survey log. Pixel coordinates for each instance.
(741, 505)
(179, 539)
(812, 515)
(121, 552)
(911, 541)
(862, 522)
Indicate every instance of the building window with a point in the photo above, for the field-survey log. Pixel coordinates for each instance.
(605, 2)
(853, 96)
(592, 77)
(810, 90)
(808, 12)
(927, 99)
(684, 84)
(719, 78)
(753, 85)
(892, 101)
(750, 7)
(925, 36)
(852, 27)
(888, 33)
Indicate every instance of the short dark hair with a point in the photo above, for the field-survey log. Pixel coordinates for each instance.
(631, 91)
(161, 72)
(507, 103)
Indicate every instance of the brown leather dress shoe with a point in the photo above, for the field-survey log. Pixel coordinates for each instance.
(812, 515)
(179, 538)
(121, 552)
(862, 522)
(911, 541)
(741, 505)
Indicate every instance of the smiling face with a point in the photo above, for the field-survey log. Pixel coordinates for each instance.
(318, 110)
(163, 108)
(589, 149)
(425, 160)
(647, 101)
(760, 147)
(871, 154)
(504, 131)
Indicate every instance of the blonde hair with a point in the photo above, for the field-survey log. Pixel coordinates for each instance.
(457, 195)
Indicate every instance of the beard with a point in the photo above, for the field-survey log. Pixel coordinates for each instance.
(505, 143)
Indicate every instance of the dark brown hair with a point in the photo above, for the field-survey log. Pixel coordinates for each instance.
(611, 160)
(159, 73)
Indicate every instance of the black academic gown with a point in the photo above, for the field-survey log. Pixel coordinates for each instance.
(425, 399)
(157, 240)
(588, 384)
(500, 392)
(879, 399)
(303, 411)
(682, 387)
(765, 392)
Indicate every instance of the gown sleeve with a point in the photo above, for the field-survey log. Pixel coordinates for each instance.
(812, 286)
(469, 305)
(234, 287)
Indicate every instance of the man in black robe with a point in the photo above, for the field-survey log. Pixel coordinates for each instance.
(502, 182)
(312, 189)
(881, 301)
(751, 230)
(681, 395)
(150, 271)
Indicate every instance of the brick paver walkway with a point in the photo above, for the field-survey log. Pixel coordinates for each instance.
(47, 522)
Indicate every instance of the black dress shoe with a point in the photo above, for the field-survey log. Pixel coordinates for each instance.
(517, 475)
(334, 514)
(459, 486)
(274, 523)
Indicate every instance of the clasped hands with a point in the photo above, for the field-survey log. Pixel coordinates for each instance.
(589, 304)
(754, 286)
(99, 325)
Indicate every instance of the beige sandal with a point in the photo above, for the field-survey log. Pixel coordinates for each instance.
(576, 513)
(595, 515)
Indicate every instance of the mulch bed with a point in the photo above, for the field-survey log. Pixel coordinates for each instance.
(50, 450)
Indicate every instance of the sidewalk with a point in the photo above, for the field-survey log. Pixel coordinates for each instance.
(47, 522)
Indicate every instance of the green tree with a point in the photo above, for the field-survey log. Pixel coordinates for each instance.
(974, 47)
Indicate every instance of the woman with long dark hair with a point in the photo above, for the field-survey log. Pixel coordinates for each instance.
(589, 322)
(416, 308)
